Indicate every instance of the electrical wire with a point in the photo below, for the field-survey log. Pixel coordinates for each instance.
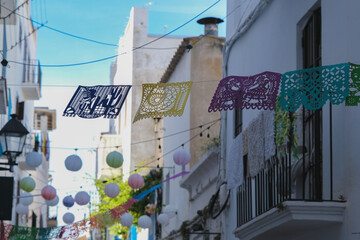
(181, 145)
(135, 143)
(114, 56)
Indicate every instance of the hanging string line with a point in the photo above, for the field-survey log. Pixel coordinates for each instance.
(165, 154)
(135, 143)
(114, 56)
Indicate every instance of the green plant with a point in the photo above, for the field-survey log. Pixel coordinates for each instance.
(212, 142)
(285, 129)
(184, 230)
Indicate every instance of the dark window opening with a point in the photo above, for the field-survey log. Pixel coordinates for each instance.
(312, 120)
(238, 122)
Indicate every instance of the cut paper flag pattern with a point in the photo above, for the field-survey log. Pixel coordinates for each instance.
(354, 86)
(163, 99)
(97, 101)
(250, 92)
(312, 87)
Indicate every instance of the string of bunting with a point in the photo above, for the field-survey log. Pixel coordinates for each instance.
(74, 230)
(311, 87)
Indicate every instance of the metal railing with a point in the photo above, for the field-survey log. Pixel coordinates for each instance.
(281, 180)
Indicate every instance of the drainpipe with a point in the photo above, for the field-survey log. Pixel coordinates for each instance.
(241, 29)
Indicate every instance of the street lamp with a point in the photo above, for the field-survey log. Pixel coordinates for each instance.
(12, 140)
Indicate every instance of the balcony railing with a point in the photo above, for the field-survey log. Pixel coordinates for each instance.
(281, 180)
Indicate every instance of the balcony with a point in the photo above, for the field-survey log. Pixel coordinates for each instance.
(31, 84)
(286, 197)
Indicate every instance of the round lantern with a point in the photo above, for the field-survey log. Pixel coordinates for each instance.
(144, 221)
(169, 210)
(53, 202)
(73, 163)
(126, 219)
(48, 192)
(68, 218)
(106, 219)
(33, 159)
(68, 201)
(163, 218)
(181, 157)
(21, 209)
(136, 181)
(114, 159)
(112, 190)
(82, 198)
(26, 199)
(27, 184)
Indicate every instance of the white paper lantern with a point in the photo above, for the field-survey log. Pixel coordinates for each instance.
(136, 181)
(73, 163)
(34, 159)
(26, 198)
(163, 218)
(68, 201)
(181, 157)
(144, 221)
(169, 210)
(68, 218)
(53, 202)
(22, 209)
(112, 190)
(126, 219)
(82, 198)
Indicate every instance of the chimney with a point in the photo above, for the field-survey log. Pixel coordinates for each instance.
(210, 23)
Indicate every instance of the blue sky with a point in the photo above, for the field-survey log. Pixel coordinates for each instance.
(103, 21)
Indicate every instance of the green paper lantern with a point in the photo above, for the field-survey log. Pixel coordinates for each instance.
(106, 219)
(114, 159)
(27, 184)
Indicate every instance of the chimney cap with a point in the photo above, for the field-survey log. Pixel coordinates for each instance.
(209, 20)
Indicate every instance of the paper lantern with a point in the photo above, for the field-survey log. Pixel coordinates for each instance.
(114, 159)
(112, 190)
(34, 159)
(136, 181)
(169, 210)
(26, 199)
(48, 192)
(68, 218)
(27, 184)
(106, 219)
(53, 202)
(68, 201)
(163, 218)
(82, 198)
(181, 157)
(73, 163)
(144, 221)
(21, 209)
(126, 219)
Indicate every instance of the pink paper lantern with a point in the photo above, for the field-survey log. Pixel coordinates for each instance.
(181, 157)
(48, 192)
(136, 181)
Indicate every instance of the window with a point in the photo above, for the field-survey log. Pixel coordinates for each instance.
(312, 120)
(20, 110)
(237, 122)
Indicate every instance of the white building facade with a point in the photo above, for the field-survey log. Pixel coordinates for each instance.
(20, 87)
(313, 195)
